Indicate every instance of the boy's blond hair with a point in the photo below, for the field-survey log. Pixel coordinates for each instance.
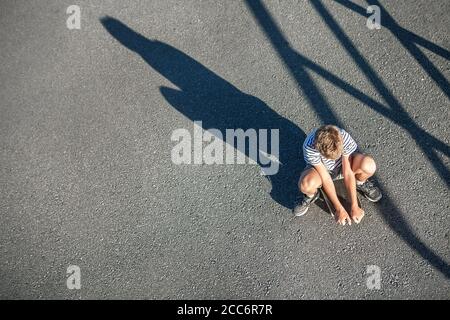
(328, 142)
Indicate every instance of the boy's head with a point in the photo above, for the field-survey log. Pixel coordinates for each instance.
(328, 142)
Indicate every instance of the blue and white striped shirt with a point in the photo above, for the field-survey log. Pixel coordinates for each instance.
(313, 157)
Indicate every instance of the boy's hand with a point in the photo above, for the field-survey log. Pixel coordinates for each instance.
(357, 214)
(342, 217)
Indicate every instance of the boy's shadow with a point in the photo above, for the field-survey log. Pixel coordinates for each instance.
(205, 96)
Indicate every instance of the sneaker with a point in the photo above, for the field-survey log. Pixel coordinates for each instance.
(303, 202)
(370, 191)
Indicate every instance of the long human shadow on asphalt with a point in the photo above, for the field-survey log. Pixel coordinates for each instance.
(298, 65)
(202, 95)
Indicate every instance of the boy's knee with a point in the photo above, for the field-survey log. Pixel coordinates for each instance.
(308, 184)
(368, 165)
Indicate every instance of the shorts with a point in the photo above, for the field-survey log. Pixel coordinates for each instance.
(336, 173)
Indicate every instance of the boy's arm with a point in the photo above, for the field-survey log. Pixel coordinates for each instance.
(350, 184)
(349, 180)
(327, 184)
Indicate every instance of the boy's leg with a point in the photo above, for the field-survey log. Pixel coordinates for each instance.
(364, 167)
(309, 182)
(308, 185)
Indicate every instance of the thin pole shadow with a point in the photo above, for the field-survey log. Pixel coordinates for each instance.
(426, 142)
(202, 95)
(296, 63)
(409, 41)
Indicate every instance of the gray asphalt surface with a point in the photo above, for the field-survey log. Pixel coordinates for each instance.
(86, 176)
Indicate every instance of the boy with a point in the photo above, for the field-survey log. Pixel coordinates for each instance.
(330, 153)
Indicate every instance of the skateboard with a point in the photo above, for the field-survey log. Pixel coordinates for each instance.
(341, 192)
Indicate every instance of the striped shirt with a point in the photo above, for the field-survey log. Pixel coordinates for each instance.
(313, 157)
